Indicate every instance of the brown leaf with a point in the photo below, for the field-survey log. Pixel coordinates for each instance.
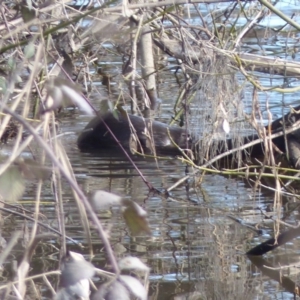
(135, 218)
(133, 143)
(27, 13)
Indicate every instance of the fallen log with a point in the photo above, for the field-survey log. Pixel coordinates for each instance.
(204, 51)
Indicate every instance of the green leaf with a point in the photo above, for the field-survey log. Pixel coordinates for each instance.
(135, 218)
(27, 13)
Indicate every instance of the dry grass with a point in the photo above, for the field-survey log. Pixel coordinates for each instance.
(55, 44)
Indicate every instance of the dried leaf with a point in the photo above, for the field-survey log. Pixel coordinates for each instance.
(30, 169)
(133, 143)
(135, 217)
(226, 126)
(3, 85)
(76, 256)
(119, 249)
(11, 184)
(63, 294)
(29, 4)
(104, 200)
(190, 296)
(106, 106)
(134, 285)
(74, 269)
(71, 93)
(133, 263)
(29, 50)
(11, 63)
(112, 291)
(62, 92)
(21, 275)
(75, 275)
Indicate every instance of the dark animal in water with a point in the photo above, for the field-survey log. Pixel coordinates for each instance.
(149, 135)
(134, 133)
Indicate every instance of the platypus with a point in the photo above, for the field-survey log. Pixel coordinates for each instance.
(131, 131)
(157, 137)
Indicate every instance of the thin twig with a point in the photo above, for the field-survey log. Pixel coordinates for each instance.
(73, 185)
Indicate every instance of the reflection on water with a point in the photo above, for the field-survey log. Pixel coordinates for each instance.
(194, 248)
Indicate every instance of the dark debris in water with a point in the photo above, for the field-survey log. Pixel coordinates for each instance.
(10, 132)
